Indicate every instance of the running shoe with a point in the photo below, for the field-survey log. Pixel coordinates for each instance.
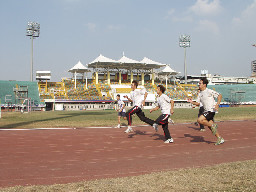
(118, 126)
(220, 140)
(169, 140)
(202, 129)
(128, 130)
(155, 127)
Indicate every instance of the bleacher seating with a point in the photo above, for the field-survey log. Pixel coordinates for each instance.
(94, 92)
(149, 87)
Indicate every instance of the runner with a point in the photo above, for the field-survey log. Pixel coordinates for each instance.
(166, 105)
(120, 110)
(138, 98)
(206, 97)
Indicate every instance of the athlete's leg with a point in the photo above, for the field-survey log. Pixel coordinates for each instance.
(213, 127)
(130, 113)
(143, 118)
(119, 117)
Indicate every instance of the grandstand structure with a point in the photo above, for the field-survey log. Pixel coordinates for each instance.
(64, 96)
(109, 78)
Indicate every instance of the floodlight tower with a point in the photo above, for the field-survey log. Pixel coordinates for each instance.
(185, 42)
(33, 30)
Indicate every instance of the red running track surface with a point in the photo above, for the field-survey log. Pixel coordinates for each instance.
(44, 157)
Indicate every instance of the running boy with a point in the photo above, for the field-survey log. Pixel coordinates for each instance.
(206, 97)
(138, 98)
(120, 110)
(166, 105)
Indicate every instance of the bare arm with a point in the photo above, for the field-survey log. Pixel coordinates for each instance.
(172, 106)
(154, 109)
(127, 98)
(193, 102)
(145, 96)
(218, 102)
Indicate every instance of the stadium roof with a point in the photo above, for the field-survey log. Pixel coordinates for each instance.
(167, 71)
(79, 68)
(151, 64)
(104, 62)
(124, 63)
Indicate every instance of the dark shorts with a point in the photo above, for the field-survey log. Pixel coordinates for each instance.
(209, 115)
(121, 114)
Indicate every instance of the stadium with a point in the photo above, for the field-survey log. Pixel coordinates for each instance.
(72, 119)
(109, 78)
(68, 115)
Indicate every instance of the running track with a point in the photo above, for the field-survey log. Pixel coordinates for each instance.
(43, 157)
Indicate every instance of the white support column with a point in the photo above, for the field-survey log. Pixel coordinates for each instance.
(142, 79)
(166, 81)
(120, 78)
(75, 79)
(97, 78)
(86, 80)
(153, 77)
(131, 76)
(108, 78)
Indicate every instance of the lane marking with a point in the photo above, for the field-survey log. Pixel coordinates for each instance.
(70, 128)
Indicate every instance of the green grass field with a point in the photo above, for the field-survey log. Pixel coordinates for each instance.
(237, 176)
(109, 117)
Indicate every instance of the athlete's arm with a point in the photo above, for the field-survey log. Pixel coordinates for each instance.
(145, 96)
(127, 98)
(193, 102)
(172, 106)
(218, 102)
(154, 109)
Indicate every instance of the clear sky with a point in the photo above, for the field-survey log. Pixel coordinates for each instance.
(222, 33)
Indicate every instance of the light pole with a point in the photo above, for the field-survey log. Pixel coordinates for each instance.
(33, 30)
(185, 42)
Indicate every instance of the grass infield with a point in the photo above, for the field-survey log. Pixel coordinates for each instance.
(109, 117)
(236, 176)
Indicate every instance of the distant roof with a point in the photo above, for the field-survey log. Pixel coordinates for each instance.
(79, 68)
(167, 71)
(125, 59)
(103, 62)
(124, 63)
(151, 63)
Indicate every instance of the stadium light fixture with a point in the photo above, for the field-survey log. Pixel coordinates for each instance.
(185, 42)
(33, 31)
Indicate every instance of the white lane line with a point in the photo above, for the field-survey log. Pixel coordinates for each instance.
(7, 129)
(65, 128)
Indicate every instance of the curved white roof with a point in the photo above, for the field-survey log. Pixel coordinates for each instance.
(79, 68)
(167, 70)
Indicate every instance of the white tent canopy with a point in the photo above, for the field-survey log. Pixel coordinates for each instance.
(103, 62)
(79, 68)
(167, 70)
(151, 62)
(125, 63)
(103, 59)
(126, 60)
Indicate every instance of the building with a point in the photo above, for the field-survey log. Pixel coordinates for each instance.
(253, 68)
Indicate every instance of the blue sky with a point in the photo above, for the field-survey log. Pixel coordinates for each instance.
(222, 32)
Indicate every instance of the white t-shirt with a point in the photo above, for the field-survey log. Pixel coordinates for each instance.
(164, 103)
(137, 96)
(207, 98)
(120, 105)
